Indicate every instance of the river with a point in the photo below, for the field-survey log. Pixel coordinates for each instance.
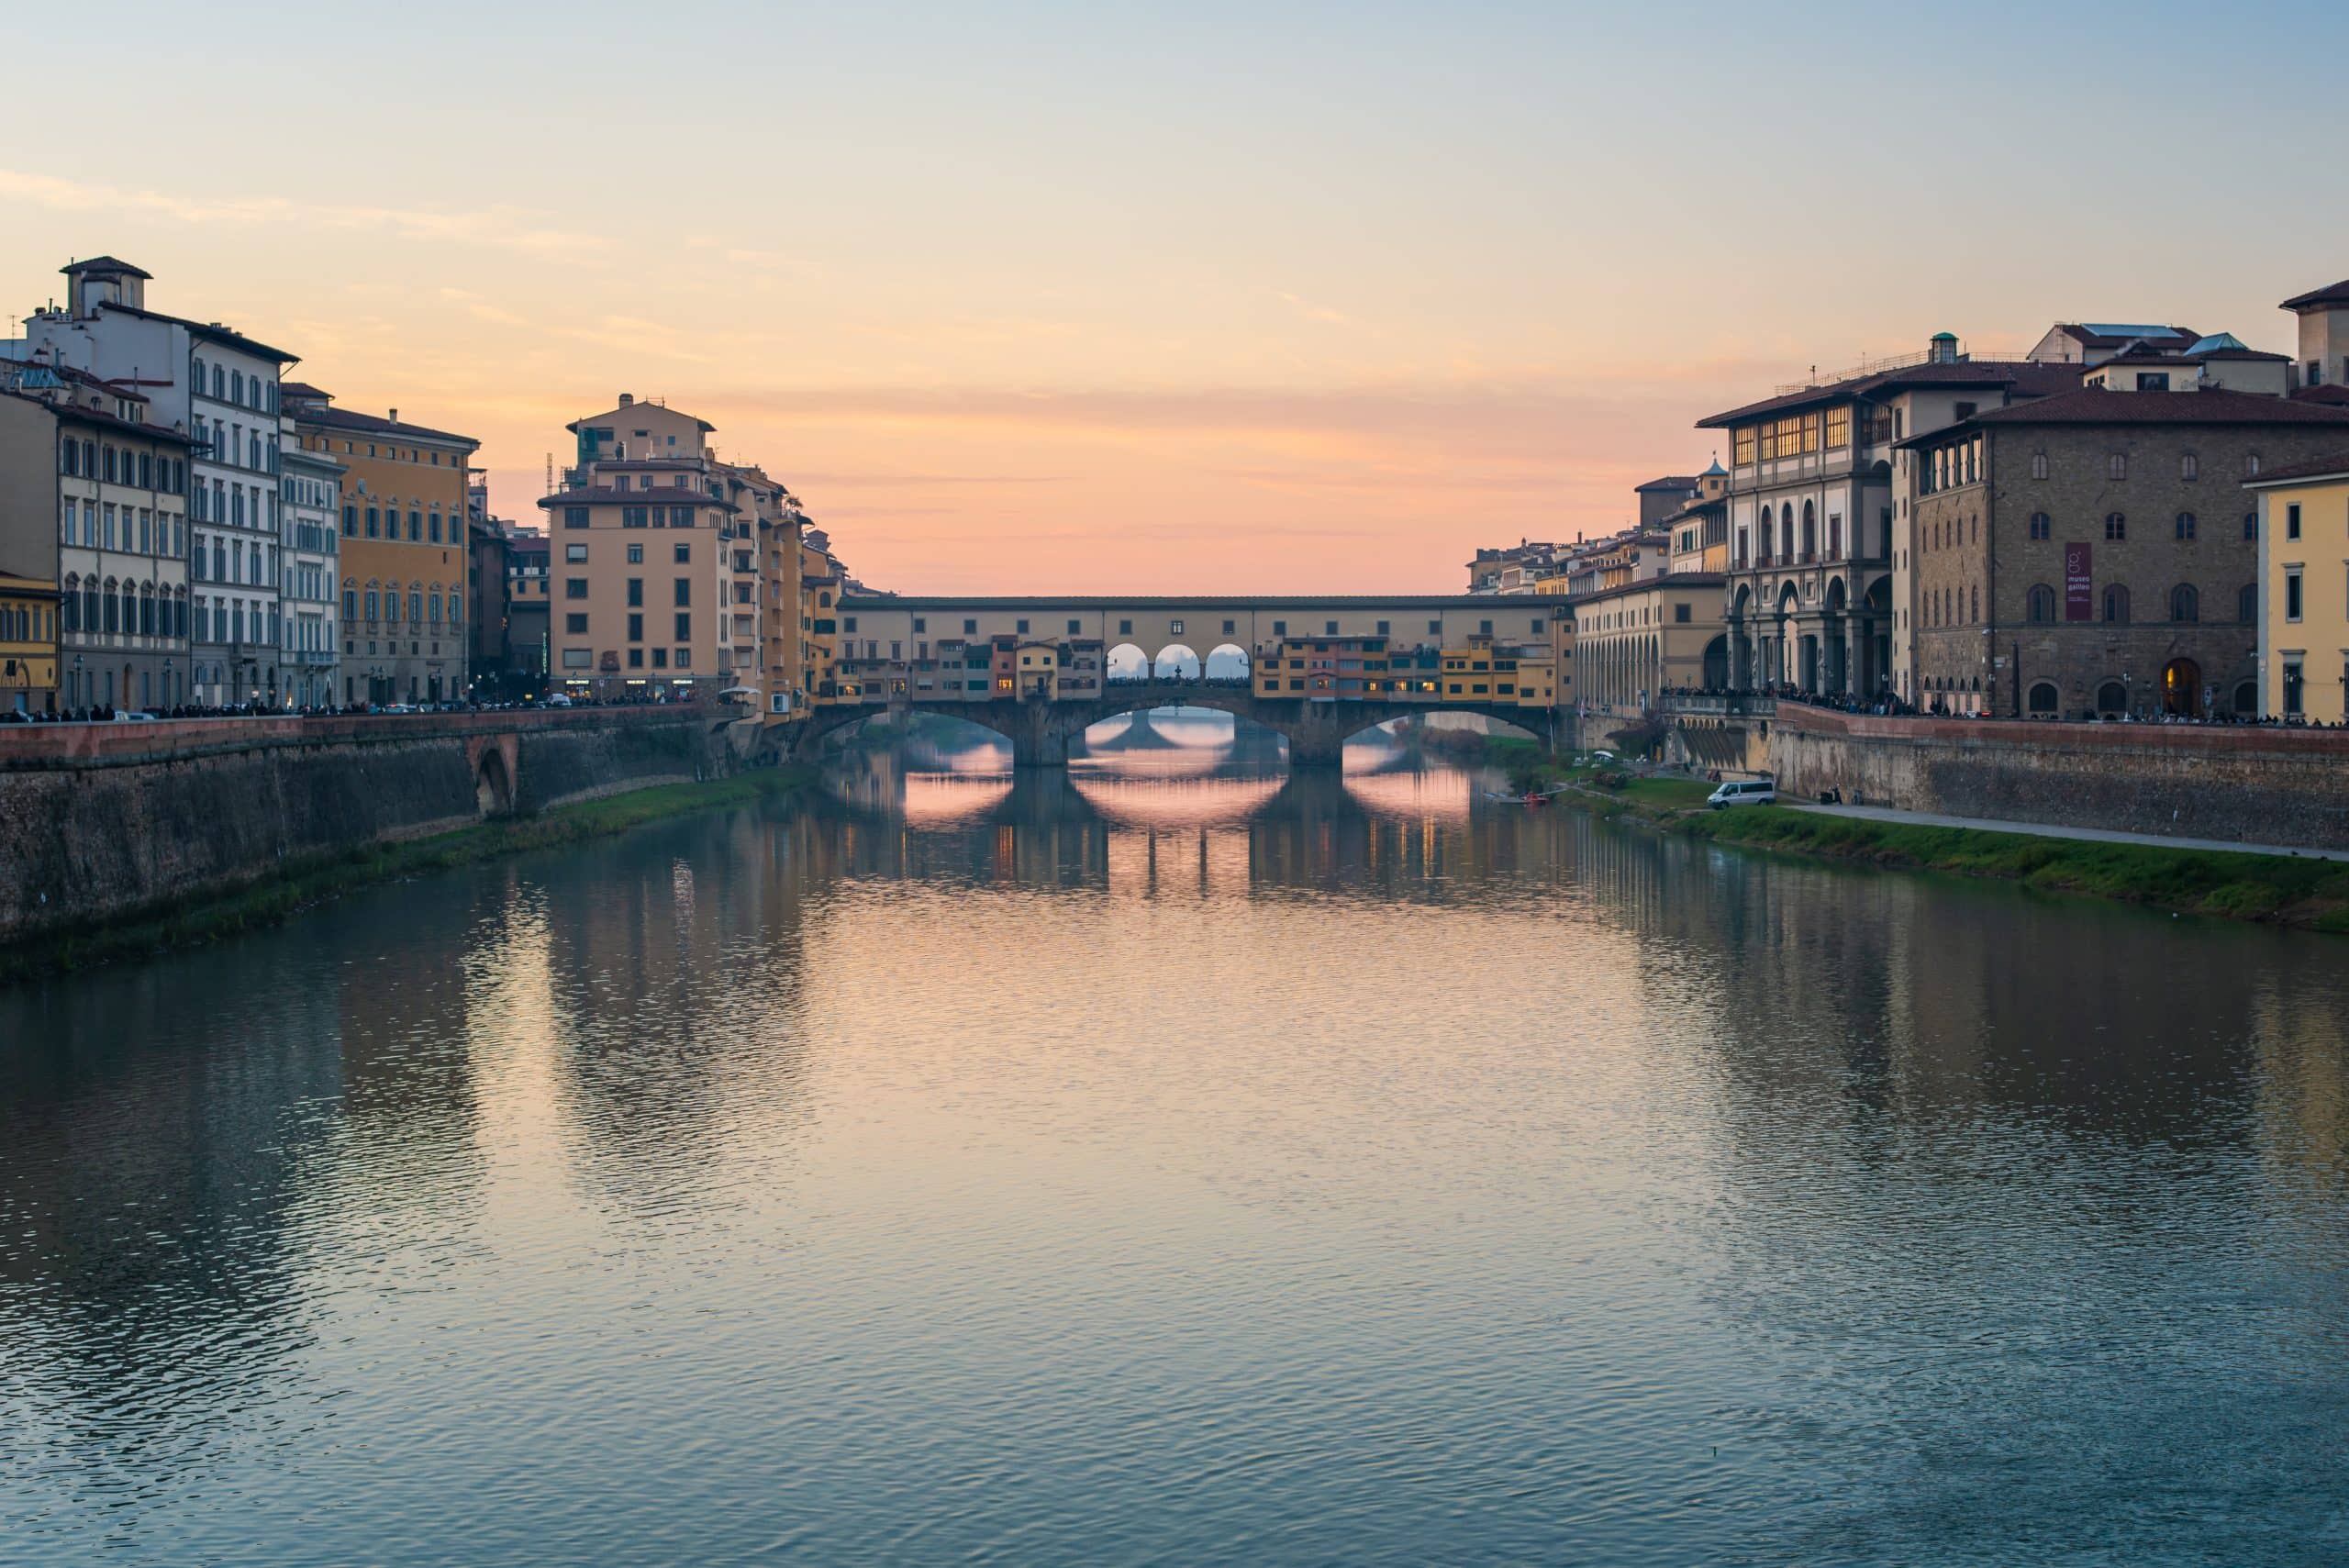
(1180, 1161)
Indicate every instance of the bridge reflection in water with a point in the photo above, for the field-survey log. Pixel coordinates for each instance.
(1201, 1158)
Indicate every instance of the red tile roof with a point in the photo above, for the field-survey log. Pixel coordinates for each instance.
(2323, 467)
(2332, 294)
(679, 495)
(2094, 405)
(2019, 377)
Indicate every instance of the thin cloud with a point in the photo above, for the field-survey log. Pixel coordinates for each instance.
(500, 228)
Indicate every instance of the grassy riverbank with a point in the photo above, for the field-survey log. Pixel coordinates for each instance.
(2284, 890)
(2309, 893)
(304, 881)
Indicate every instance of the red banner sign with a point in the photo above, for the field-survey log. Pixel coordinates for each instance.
(2079, 583)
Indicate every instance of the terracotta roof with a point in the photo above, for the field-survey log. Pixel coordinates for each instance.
(1669, 481)
(349, 419)
(2114, 337)
(2322, 395)
(2026, 377)
(2318, 468)
(2332, 294)
(105, 264)
(207, 330)
(599, 496)
(69, 408)
(1669, 580)
(302, 389)
(2093, 406)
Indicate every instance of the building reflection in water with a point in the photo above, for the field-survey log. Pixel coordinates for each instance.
(1875, 1191)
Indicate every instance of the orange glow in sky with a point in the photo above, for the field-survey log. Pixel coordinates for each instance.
(1051, 298)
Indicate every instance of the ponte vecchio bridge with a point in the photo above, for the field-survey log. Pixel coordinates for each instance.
(1317, 669)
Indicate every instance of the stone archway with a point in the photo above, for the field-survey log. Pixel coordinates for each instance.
(493, 785)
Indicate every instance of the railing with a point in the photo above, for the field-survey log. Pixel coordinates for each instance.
(1751, 705)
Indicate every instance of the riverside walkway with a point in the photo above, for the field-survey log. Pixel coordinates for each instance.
(2056, 830)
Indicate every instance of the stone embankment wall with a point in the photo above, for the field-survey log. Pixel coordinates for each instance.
(2252, 784)
(99, 819)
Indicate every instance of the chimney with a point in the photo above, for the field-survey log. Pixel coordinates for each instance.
(626, 399)
(395, 416)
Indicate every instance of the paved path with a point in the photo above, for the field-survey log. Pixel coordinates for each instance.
(2051, 830)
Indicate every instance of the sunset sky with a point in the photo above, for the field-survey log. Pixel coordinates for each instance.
(1210, 297)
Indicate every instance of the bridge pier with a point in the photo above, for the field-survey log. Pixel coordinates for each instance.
(1041, 747)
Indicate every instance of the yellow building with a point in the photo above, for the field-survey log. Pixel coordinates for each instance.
(1039, 666)
(821, 580)
(1633, 643)
(405, 560)
(28, 644)
(2304, 590)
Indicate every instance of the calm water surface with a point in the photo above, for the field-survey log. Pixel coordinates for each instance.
(1180, 1162)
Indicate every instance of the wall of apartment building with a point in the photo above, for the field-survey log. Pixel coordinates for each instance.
(676, 572)
(2310, 636)
(387, 657)
(2000, 652)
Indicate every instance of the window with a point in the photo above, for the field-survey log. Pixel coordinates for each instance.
(1072, 628)
(682, 587)
(575, 587)
(1680, 612)
(2186, 525)
(969, 627)
(1839, 426)
(683, 553)
(575, 624)
(2040, 605)
(2292, 595)
(374, 526)
(2248, 604)
(2038, 525)
(2250, 466)
(2251, 525)
(681, 516)
(636, 590)
(2184, 603)
(2043, 698)
(574, 516)
(2292, 688)
(2292, 520)
(2189, 466)
(574, 553)
(2116, 604)
(2115, 526)
(2116, 466)
(685, 628)
(1174, 626)
(635, 629)
(1021, 626)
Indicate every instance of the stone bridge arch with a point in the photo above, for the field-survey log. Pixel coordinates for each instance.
(1041, 731)
(497, 763)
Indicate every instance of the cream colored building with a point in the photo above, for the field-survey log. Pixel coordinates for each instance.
(642, 557)
(1633, 643)
(2304, 590)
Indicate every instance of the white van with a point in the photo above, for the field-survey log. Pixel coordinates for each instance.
(1742, 791)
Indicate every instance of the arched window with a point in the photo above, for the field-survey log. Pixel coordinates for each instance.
(2247, 602)
(2040, 604)
(2246, 699)
(146, 609)
(2186, 525)
(2042, 699)
(1810, 531)
(2111, 697)
(2185, 604)
(2039, 526)
(2116, 604)
(1974, 597)
(74, 602)
(2251, 525)
(2115, 526)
